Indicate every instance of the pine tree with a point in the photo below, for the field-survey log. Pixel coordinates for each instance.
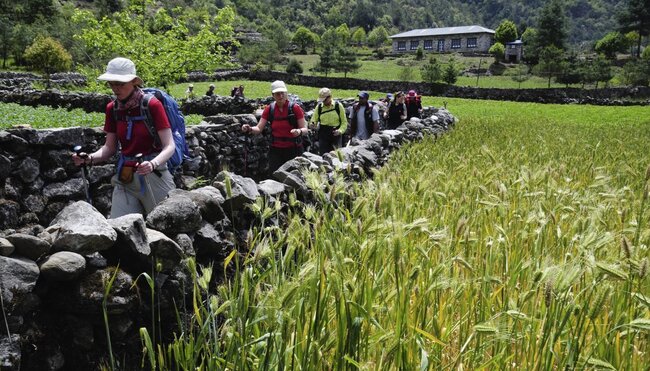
(327, 61)
(346, 61)
(551, 26)
(636, 17)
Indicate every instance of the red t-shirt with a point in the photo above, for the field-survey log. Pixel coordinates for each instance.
(141, 141)
(281, 127)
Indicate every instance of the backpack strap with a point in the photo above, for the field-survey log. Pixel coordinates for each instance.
(145, 113)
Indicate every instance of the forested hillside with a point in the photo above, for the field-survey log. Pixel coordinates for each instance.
(589, 20)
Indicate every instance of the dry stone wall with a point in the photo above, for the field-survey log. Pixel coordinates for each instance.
(57, 253)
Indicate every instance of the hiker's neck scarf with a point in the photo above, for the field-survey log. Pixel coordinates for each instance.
(132, 101)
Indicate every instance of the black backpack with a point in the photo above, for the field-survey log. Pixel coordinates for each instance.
(290, 116)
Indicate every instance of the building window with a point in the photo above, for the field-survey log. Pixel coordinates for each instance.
(401, 45)
(441, 45)
(512, 46)
(414, 44)
(428, 44)
(455, 43)
(471, 42)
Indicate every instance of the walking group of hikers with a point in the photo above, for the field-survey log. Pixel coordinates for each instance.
(145, 126)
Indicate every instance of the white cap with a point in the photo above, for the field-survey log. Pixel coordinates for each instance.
(191, 85)
(278, 86)
(121, 70)
(323, 94)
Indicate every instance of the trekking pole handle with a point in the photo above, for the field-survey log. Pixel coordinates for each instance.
(140, 159)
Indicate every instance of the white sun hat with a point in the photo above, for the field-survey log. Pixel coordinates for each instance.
(121, 70)
(278, 86)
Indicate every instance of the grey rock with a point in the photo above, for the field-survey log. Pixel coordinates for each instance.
(29, 246)
(17, 277)
(63, 266)
(209, 243)
(57, 174)
(6, 247)
(28, 170)
(5, 166)
(10, 354)
(80, 228)
(271, 188)
(132, 233)
(55, 360)
(164, 250)
(185, 243)
(88, 299)
(175, 215)
(208, 199)
(35, 203)
(242, 190)
(9, 211)
(96, 260)
(82, 333)
(70, 189)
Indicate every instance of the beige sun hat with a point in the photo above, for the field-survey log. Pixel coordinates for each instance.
(278, 86)
(121, 70)
(323, 94)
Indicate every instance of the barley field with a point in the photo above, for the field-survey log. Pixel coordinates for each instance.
(507, 244)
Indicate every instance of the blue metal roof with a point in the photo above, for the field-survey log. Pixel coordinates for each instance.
(442, 31)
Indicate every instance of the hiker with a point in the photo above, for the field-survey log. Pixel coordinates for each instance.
(413, 105)
(237, 91)
(329, 118)
(210, 91)
(287, 127)
(364, 118)
(396, 112)
(189, 93)
(135, 189)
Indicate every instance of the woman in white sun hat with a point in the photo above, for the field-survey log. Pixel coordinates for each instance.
(135, 190)
(287, 127)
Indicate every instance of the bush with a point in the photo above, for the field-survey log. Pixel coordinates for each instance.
(294, 66)
(419, 54)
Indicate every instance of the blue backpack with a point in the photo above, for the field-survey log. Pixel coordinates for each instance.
(176, 121)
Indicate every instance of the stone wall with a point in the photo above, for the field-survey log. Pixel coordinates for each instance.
(53, 274)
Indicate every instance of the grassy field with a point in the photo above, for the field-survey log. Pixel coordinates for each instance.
(517, 241)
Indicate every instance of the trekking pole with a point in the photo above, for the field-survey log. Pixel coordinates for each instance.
(139, 158)
(84, 171)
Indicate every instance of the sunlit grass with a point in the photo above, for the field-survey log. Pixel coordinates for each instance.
(514, 242)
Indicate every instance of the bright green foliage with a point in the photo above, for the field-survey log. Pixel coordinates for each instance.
(506, 32)
(519, 74)
(48, 56)
(304, 38)
(571, 70)
(646, 54)
(163, 56)
(419, 53)
(346, 61)
(377, 37)
(359, 36)
(637, 72)
(432, 71)
(497, 51)
(610, 44)
(343, 35)
(597, 70)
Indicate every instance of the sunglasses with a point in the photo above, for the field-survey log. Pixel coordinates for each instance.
(115, 84)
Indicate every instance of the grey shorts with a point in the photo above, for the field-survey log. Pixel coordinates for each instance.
(142, 194)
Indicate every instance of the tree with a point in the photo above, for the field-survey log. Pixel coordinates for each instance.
(498, 51)
(505, 32)
(520, 74)
(450, 75)
(570, 70)
(601, 69)
(406, 73)
(377, 37)
(610, 44)
(431, 72)
(6, 25)
(346, 61)
(531, 48)
(327, 60)
(164, 57)
(304, 38)
(636, 17)
(359, 36)
(343, 35)
(294, 66)
(636, 72)
(329, 38)
(48, 56)
(551, 25)
(549, 62)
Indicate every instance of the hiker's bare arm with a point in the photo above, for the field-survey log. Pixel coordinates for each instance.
(254, 129)
(301, 129)
(102, 154)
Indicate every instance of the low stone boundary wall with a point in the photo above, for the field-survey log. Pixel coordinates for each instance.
(53, 274)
